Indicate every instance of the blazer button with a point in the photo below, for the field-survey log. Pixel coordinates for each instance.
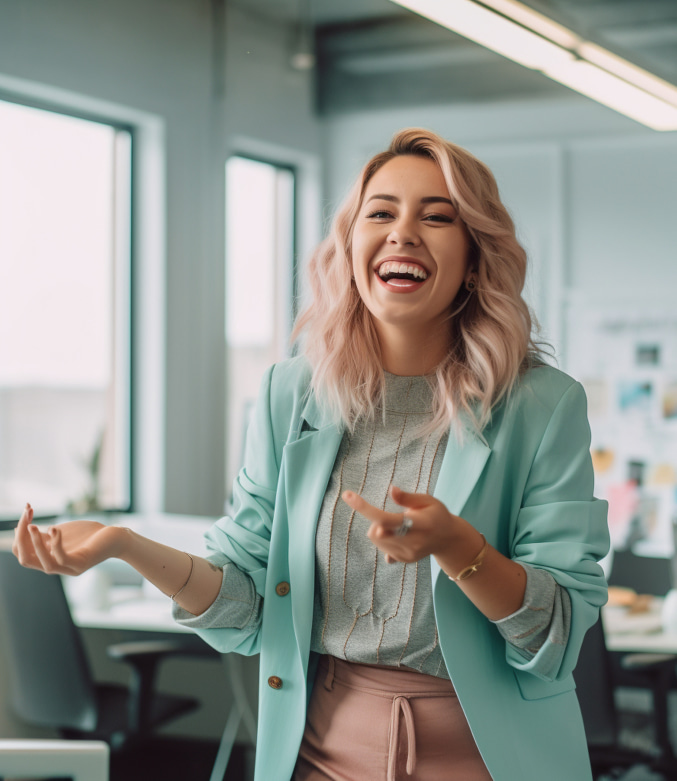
(274, 682)
(282, 589)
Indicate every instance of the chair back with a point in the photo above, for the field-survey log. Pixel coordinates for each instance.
(644, 574)
(594, 687)
(50, 681)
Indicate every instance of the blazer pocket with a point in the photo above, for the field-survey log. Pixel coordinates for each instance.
(533, 688)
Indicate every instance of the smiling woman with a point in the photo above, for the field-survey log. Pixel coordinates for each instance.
(414, 543)
(439, 201)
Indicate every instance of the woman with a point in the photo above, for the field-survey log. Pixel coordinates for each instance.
(414, 544)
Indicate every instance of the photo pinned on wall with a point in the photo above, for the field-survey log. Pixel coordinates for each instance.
(663, 475)
(623, 498)
(647, 355)
(669, 402)
(635, 396)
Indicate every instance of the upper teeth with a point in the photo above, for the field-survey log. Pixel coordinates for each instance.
(395, 267)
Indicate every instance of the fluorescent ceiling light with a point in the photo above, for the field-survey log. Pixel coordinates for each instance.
(626, 70)
(617, 94)
(491, 30)
(535, 21)
(531, 39)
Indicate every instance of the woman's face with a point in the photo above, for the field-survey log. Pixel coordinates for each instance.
(409, 248)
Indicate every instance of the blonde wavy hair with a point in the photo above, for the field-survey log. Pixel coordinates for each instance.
(490, 343)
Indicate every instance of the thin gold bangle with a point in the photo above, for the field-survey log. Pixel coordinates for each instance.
(474, 565)
(190, 575)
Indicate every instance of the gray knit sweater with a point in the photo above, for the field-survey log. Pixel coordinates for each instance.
(366, 610)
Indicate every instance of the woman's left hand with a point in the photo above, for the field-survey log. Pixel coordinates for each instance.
(432, 531)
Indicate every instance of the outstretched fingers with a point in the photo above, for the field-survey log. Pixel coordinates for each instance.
(62, 559)
(56, 542)
(22, 547)
(44, 556)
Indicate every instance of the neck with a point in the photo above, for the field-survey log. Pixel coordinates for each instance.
(409, 352)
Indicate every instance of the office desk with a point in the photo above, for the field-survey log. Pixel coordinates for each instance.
(127, 607)
(98, 601)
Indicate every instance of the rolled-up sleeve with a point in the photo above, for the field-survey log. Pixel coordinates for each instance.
(561, 529)
(240, 543)
(237, 605)
(544, 618)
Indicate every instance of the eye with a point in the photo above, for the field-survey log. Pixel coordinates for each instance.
(439, 218)
(380, 214)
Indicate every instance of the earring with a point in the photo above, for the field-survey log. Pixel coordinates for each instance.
(470, 285)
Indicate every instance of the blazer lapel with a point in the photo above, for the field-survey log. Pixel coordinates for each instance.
(308, 465)
(460, 470)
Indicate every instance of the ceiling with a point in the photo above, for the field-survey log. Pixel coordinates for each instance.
(373, 53)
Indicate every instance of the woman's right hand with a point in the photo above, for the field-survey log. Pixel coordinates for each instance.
(68, 548)
(73, 547)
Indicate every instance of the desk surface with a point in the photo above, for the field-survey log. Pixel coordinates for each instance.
(127, 607)
(640, 632)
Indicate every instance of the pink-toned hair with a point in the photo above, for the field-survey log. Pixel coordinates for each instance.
(490, 338)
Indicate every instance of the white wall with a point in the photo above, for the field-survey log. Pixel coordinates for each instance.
(591, 192)
(153, 64)
(622, 200)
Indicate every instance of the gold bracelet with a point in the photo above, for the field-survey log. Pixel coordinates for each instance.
(190, 575)
(475, 565)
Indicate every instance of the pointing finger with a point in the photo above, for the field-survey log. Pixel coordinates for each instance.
(370, 512)
(411, 501)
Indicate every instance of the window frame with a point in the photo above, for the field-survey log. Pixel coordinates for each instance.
(293, 169)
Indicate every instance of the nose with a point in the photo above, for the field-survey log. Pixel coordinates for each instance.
(404, 232)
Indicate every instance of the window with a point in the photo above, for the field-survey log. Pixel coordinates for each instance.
(65, 206)
(259, 285)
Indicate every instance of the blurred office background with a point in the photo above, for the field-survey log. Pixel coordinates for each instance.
(166, 167)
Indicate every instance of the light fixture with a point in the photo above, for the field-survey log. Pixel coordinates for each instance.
(303, 51)
(531, 39)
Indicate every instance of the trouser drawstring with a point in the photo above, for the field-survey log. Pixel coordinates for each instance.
(401, 706)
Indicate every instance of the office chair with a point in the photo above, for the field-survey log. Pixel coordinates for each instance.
(653, 671)
(51, 684)
(595, 689)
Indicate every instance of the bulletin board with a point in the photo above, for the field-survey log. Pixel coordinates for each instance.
(625, 355)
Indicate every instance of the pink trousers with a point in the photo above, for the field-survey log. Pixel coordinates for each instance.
(371, 723)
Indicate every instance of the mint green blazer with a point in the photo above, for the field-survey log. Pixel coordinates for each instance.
(526, 484)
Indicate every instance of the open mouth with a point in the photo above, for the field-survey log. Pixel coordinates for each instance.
(396, 269)
(401, 275)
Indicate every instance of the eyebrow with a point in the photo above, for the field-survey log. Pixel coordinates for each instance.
(427, 199)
